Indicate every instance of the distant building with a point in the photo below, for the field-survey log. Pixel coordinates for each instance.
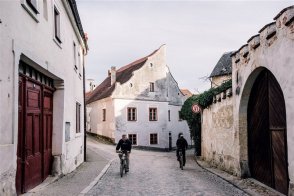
(42, 60)
(222, 70)
(186, 93)
(142, 100)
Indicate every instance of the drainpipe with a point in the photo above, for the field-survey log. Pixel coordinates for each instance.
(85, 112)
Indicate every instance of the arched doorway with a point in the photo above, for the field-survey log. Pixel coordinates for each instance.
(267, 139)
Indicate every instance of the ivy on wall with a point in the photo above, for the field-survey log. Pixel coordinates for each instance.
(203, 100)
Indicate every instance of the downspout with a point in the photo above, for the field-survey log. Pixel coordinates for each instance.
(85, 112)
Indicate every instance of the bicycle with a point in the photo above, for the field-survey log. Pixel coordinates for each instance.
(181, 159)
(123, 162)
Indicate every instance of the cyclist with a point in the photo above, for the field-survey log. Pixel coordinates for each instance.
(125, 145)
(182, 145)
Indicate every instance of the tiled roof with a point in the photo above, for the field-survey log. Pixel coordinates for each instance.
(186, 92)
(223, 66)
(123, 74)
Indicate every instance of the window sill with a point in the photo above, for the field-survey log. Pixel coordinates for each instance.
(32, 13)
(57, 43)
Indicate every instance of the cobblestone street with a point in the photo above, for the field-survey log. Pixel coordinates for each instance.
(158, 173)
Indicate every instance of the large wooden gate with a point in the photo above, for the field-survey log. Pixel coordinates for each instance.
(34, 152)
(267, 139)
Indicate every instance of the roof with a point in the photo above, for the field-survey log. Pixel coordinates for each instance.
(74, 9)
(223, 66)
(123, 74)
(186, 92)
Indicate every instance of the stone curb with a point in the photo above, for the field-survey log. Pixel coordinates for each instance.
(235, 185)
(95, 181)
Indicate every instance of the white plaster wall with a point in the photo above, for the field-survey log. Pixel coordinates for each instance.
(97, 125)
(24, 38)
(176, 126)
(142, 127)
(275, 54)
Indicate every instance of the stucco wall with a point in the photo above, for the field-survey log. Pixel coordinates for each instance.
(274, 53)
(218, 137)
(31, 39)
(96, 123)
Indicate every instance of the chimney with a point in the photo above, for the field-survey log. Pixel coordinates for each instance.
(113, 75)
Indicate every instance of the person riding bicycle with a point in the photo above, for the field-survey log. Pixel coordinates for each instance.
(125, 144)
(182, 145)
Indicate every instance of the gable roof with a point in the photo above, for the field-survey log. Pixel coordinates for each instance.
(123, 74)
(223, 66)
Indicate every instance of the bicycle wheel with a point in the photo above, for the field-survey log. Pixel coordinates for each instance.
(125, 166)
(121, 169)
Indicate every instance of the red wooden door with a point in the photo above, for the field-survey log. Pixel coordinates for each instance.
(34, 151)
(33, 139)
(47, 131)
(267, 142)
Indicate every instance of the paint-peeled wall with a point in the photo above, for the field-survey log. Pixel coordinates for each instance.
(218, 136)
(271, 49)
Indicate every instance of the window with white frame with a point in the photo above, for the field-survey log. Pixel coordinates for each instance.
(152, 114)
(153, 138)
(132, 114)
(133, 138)
(57, 24)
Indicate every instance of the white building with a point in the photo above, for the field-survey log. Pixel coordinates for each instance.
(41, 122)
(142, 100)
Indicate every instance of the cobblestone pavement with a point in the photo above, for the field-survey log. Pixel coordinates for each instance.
(158, 173)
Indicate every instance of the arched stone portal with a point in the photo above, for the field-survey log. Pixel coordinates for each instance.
(262, 125)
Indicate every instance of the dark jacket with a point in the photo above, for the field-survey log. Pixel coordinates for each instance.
(124, 145)
(182, 143)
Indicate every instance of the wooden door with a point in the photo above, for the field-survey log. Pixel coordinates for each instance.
(47, 131)
(267, 144)
(33, 136)
(34, 151)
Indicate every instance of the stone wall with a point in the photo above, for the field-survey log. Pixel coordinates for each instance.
(218, 136)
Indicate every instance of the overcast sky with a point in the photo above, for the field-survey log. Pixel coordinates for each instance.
(196, 33)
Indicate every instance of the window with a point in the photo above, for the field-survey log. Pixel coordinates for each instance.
(57, 25)
(168, 115)
(180, 119)
(33, 5)
(132, 114)
(133, 138)
(104, 115)
(152, 114)
(75, 56)
(151, 86)
(153, 138)
(78, 117)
